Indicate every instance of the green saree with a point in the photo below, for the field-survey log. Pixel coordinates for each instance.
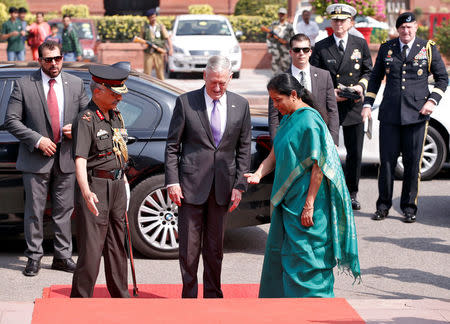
(298, 260)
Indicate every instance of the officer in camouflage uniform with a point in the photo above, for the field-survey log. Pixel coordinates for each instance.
(100, 153)
(157, 34)
(281, 32)
(407, 104)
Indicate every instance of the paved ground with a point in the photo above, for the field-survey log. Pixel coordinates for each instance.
(404, 266)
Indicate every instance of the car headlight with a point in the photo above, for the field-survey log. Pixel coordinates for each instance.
(235, 49)
(88, 52)
(177, 49)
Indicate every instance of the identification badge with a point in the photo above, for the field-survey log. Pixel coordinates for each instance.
(357, 66)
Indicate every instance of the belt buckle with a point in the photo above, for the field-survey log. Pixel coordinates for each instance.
(118, 174)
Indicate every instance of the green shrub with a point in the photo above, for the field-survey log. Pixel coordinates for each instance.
(250, 27)
(79, 11)
(15, 3)
(167, 21)
(120, 28)
(422, 32)
(379, 36)
(254, 7)
(442, 38)
(201, 9)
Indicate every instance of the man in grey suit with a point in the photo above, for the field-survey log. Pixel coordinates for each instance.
(40, 112)
(316, 80)
(207, 154)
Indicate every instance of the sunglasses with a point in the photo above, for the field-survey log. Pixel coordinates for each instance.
(50, 59)
(303, 49)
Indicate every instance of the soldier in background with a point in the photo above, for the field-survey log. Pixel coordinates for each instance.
(154, 55)
(278, 42)
(405, 111)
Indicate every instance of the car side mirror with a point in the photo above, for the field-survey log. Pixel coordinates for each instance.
(239, 34)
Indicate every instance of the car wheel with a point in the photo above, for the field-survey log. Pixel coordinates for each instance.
(153, 219)
(237, 74)
(434, 155)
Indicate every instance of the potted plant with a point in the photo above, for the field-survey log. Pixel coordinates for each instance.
(370, 8)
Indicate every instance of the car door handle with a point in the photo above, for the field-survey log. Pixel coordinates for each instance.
(131, 139)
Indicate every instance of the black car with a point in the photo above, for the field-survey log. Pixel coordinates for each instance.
(147, 110)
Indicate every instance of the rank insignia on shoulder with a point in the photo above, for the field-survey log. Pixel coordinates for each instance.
(86, 116)
(99, 114)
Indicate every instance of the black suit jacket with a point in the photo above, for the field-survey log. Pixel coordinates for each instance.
(406, 88)
(193, 160)
(351, 69)
(323, 93)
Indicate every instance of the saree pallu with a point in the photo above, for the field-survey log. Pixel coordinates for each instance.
(298, 260)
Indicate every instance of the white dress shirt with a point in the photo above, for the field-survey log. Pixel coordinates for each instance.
(307, 75)
(311, 30)
(410, 44)
(345, 39)
(58, 87)
(222, 106)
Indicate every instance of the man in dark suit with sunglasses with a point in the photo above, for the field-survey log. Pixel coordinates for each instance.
(348, 60)
(316, 80)
(40, 112)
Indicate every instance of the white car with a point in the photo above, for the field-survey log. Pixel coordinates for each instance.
(436, 143)
(197, 37)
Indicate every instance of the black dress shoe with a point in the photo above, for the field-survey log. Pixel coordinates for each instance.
(409, 217)
(67, 265)
(380, 214)
(355, 204)
(32, 268)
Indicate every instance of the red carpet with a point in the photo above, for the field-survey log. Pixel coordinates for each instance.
(157, 291)
(161, 304)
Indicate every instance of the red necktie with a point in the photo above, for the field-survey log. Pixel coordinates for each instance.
(53, 109)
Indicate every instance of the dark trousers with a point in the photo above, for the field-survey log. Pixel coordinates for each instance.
(407, 140)
(60, 186)
(101, 235)
(353, 140)
(201, 229)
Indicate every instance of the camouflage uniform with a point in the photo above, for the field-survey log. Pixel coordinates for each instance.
(281, 59)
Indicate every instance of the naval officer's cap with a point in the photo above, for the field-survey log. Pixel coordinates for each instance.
(340, 11)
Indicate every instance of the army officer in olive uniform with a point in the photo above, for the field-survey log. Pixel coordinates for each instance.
(100, 156)
(406, 61)
(348, 60)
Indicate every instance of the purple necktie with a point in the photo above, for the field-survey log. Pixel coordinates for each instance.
(215, 123)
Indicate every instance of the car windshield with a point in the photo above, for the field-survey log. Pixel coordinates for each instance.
(202, 27)
(83, 29)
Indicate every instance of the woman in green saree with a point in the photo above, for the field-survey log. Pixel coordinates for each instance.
(312, 225)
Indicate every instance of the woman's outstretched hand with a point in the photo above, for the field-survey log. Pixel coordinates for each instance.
(253, 178)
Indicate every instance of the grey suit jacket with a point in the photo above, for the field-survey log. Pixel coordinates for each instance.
(28, 119)
(192, 159)
(323, 92)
